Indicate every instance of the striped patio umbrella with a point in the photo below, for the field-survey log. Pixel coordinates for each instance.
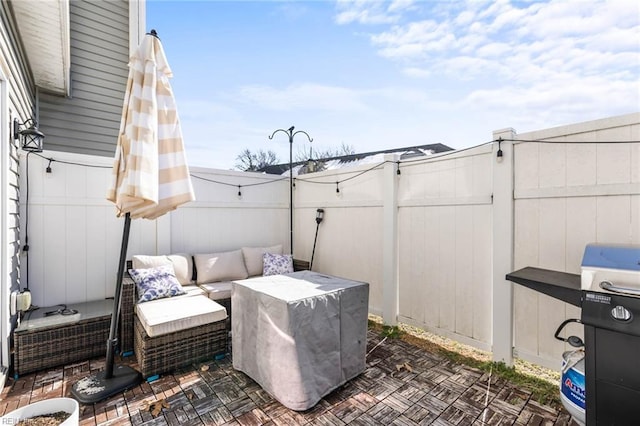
(150, 172)
(150, 178)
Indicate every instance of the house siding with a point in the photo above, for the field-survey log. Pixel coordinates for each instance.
(87, 122)
(18, 94)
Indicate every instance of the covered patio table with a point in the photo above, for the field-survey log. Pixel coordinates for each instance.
(299, 335)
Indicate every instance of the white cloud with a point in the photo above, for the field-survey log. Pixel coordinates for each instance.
(417, 72)
(614, 38)
(494, 50)
(414, 40)
(527, 64)
(561, 19)
(369, 11)
(400, 5)
(562, 99)
(520, 42)
(466, 68)
(464, 18)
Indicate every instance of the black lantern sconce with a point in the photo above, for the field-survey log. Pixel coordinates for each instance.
(499, 154)
(31, 139)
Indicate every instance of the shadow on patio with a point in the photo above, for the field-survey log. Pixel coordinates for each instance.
(403, 384)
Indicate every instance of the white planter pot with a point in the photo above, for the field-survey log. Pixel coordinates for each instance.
(46, 406)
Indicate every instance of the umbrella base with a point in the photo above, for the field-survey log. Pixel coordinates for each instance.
(95, 388)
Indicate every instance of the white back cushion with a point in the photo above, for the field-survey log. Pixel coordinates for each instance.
(181, 262)
(225, 266)
(253, 257)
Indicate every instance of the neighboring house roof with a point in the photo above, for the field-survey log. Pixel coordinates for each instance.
(44, 31)
(373, 157)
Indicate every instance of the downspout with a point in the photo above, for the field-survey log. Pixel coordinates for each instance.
(66, 46)
(5, 285)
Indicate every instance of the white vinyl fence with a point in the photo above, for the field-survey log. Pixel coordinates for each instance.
(445, 241)
(566, 196)
(75, 236)
(434, 241)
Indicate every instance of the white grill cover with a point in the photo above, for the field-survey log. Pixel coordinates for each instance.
(300, 335)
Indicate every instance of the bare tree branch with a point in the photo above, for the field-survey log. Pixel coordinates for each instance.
(319, 154)
(250, 162)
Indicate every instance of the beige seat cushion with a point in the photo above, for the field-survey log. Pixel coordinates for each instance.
(192, 290)
(222, 266)
(217, 291)
(172, 314)
(181, 262)
(253, 257)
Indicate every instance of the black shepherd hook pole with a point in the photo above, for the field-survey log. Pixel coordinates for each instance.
(290, 133)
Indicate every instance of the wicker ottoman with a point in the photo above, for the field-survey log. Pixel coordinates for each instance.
(178, 331)
(44, 341)
(164, 353)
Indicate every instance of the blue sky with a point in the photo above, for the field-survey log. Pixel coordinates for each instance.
(387, 74)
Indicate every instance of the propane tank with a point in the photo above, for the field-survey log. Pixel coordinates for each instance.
(572, 389)
(572, 383)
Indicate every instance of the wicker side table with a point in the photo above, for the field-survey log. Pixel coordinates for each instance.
(47, 341)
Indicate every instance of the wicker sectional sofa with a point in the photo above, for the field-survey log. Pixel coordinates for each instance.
(169, 333)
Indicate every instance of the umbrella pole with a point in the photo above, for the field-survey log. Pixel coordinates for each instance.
(113, 339)
(104, 384)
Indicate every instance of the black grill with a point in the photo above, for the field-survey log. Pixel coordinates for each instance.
(611, 330)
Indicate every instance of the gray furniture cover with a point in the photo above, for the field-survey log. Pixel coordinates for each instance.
(299, 335)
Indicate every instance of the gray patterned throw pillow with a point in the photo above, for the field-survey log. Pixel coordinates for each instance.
(156, 283)
(275, 264)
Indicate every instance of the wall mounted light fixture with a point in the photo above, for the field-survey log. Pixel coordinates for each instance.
(31, 139)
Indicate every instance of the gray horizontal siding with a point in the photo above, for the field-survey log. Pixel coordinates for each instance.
(14, 65)
(89, 120)
(20, 99)
(83, 107)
